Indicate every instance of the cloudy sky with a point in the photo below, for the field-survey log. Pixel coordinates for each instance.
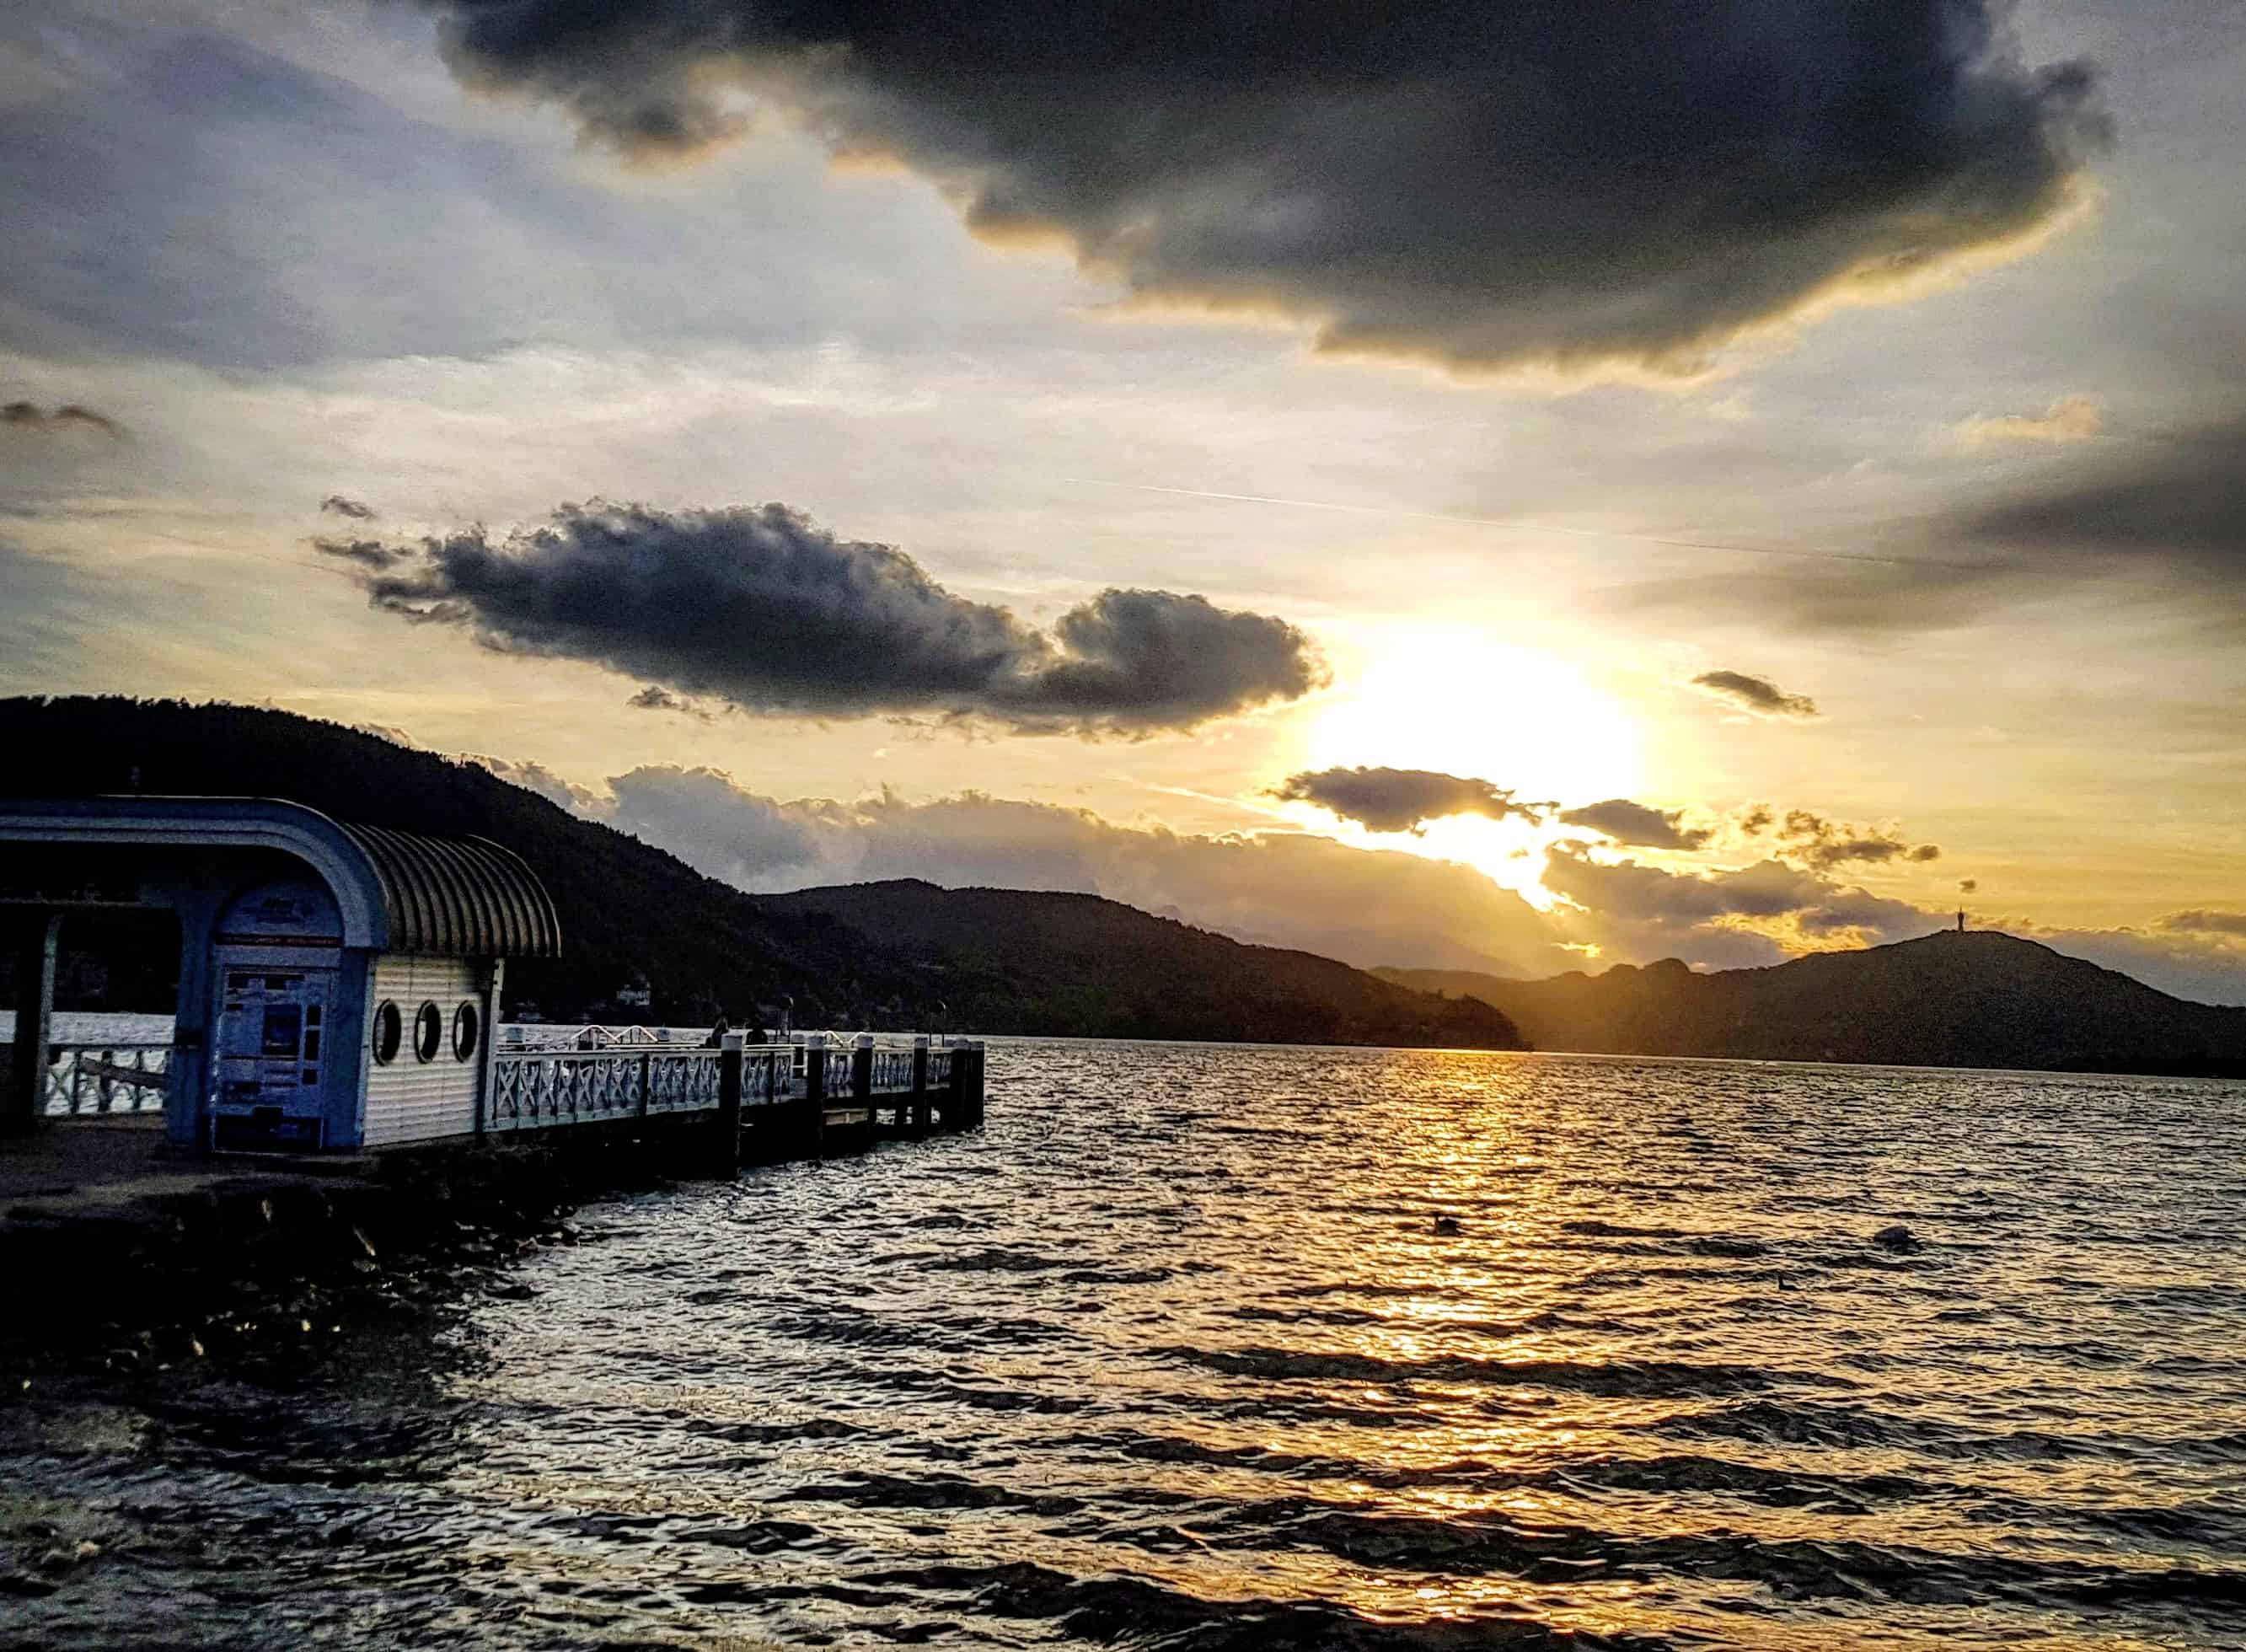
(1513, 486)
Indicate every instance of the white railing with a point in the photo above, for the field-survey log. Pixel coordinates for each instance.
(768, 1075)
(536, 1089)
(893, 1071)
(87, 1080)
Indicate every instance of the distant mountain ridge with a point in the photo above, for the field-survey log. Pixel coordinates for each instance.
(883, 956)
(1978, 999)
(1080, 964)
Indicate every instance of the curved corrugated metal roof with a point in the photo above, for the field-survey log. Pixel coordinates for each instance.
(459, 897)
(397, 891)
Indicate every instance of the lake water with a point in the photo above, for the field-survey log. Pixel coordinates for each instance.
(1172, 1354)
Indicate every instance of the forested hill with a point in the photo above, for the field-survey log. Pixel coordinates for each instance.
(1981, 999)
(632, 912)
(1076, 963)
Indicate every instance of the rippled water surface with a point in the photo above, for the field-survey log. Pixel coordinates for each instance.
(1173, 1354)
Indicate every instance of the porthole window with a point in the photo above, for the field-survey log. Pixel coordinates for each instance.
(389, 1031)
(465, 1028)
(428, 1032)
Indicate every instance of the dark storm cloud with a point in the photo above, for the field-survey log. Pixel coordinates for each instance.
(2179, 498)
(1756, 694)
(369, 553)
(2200, 920)
(1484, 185)
(762, 608)
(1400, 799)
(1636, 824)
(356, 510)
(1817, 842)
(29, 418)
(1160, 660)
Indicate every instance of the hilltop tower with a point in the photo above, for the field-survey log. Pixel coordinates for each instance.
(1961, 920)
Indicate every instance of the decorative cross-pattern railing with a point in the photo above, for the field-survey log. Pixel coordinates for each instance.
(768, 1075)
(87, 1080)
(540, 1089)
(893, 1071)
(533, 1092)
(534, 1089)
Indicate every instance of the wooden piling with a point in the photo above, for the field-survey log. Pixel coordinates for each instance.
(726, 1158)
(811, 1117)
(916, 1106)
(861, 1077)
(26, 1100)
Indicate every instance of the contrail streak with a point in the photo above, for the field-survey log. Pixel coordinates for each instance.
(1512, 527)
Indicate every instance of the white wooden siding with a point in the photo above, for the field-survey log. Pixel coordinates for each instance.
(414, 1100)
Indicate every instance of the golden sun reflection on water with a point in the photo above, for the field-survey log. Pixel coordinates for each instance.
(1176, 1353)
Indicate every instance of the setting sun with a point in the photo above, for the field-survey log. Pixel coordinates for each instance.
(1448, 699)
(1451, 699)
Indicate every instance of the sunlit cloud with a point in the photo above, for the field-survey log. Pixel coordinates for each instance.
(2074, 419)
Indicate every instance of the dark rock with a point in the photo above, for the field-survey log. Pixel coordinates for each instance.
(1897, 1239)
(1446, 1227)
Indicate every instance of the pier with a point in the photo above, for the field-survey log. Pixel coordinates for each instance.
(671, 1110)
(337, 1083)
(340, 994)
(98, 1192)
(761, 1100)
